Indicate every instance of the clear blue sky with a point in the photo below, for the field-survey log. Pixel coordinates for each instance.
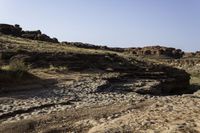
(122, 23)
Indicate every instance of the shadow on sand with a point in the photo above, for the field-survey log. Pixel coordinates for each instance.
(25, 86)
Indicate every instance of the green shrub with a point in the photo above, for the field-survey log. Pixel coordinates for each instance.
(58, 68)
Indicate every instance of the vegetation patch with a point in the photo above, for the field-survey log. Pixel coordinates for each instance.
(15, 73)
(58, 68)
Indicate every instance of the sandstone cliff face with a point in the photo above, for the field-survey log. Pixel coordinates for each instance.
(16, 30)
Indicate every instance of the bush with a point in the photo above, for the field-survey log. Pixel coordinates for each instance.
(15, 70)
(18, 65)
(58, 68)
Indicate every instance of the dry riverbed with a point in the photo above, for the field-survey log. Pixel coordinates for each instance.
(86, 102)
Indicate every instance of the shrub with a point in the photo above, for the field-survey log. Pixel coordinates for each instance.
(18, 65)
(58, 68)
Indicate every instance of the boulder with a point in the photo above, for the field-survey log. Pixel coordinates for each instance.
(44, 37)
(10, 29)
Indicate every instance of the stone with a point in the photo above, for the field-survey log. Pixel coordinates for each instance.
(10, 29)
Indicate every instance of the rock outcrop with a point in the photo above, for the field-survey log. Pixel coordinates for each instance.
(16, 30)
(169, 79)
(156, 51)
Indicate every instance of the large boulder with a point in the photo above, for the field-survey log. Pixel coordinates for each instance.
(10, 29)
(44, 37)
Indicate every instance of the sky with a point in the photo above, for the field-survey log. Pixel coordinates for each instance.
(116, 23)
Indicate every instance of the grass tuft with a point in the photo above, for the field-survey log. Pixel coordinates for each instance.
(58, 68)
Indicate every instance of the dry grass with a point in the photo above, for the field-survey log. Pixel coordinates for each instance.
(58, 68)
(15, 66)
(195, 78)
(14, 72)
(16, 43)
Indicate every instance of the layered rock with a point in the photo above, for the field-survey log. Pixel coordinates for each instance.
(16, 30)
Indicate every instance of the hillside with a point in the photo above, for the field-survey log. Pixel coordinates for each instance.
(56, 86)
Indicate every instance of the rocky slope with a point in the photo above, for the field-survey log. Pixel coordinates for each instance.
(171, 80)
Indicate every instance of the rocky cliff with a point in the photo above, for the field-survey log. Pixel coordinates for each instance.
(16, 30)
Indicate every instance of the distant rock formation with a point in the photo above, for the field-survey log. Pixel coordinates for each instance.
(156, 51)
(192, 54)
(150, 51)
(16, 30)
(145, 51)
